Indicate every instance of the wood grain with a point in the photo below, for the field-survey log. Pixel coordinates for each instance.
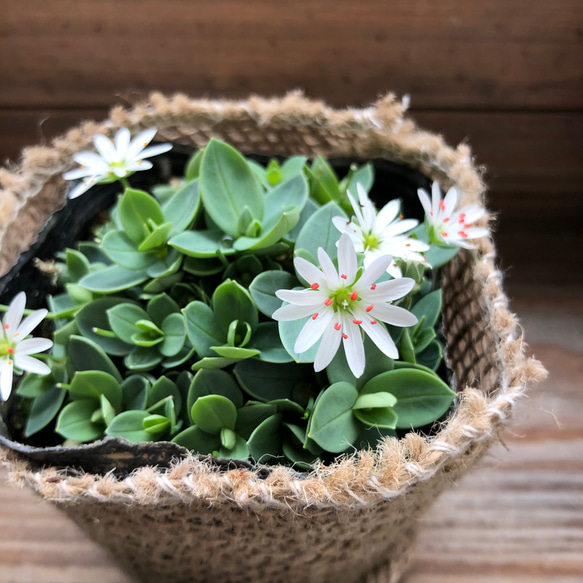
(453, 54)
(518, 518)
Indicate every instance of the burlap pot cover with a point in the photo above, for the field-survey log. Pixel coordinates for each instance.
(354, 520)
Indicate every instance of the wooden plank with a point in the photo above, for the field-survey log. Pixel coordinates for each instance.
(534, 167)
(518, 518)
(451, 54)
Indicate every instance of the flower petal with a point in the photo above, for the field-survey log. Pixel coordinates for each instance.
(356, 209)
(393, 315)
(347, 263)
(425, 202)
(373, 272)
(450, 202)
(330, 273)
(387, 291)
(328, 347)
(78, 173)
(379, 335)
(33, 346)
(91, 161)
(290, 312)
(353, 346)
(153, 151)
(399, 227)
(304, 297)
(368, 210)
(84, 186)
(140, 142)
(31, 364)
(6, 374)
(312, 331)
(308, 271)
(14, 314)
(105, 147)
(139, 165)
(122, 142)
(388, 214)
(31, 322)
(435, 197)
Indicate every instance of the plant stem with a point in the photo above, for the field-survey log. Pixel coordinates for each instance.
(125, 182)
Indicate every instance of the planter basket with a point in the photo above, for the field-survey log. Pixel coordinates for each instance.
(351, 521)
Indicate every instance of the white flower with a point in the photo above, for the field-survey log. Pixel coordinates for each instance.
(382, 234)
(16, 348)
(448, 225)
(343, 305)
(116, 159)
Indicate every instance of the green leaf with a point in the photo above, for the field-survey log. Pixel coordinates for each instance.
(136, 209)
(174, 335)
(421, 397)
(370, 435)
(77, 264)
(363, 175)
(130, 425)
(160, 307)
(62, 336)
(203, 267)
(185, 355)
(292, 167)
(430, 307)
(266, 339)
(309, 209)
(165, 266)
(183, 207)
(78, 293)
(265, 441)
(406, 348)
(228, 438)
(135, 392)
(272, 231)
(292, 192)
(213, 362)
(228, 185)
(192, 169)
(214, 382)
(123, 251)
(251, 416)
(107, 411)
(112, 279)
(94, 315)
(203, 244)
(198, 441)
(142, 358)
(239, 452)
(431, 356)
(156, 425)
(423, 339)
(203, 328)
(235, 352)
(157, 238)
(289, 332)
(232, 301)
(320, 232)
(323, 181)
(74, 422)
(162, 389)
(122, 320)
(212, 413)
(376, 363)
(332, 424)
(91, 384)
(375, 401)
(86, 355)
(34, 385)
(264, 286)
(44, 408)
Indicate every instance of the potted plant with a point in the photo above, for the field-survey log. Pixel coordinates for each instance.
(260, 347)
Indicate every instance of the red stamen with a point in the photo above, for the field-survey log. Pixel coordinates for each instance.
(444, 234)
(357, 322)
(11, 350)
(370, 308)
(328, 301)
(462, 216)
(337, 326)
(344, 336)
(315, 286)
(446, 220)
(373, 321)
(373, 286)
(463, 234)
(467, 225)
(354, 296)
(6, 326)
(442, 205)
(343, 276)
(431, 213)
(315, 316)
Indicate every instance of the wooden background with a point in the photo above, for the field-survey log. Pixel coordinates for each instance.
(505, 75)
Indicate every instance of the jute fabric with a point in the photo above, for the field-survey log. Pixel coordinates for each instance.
(354, 520)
